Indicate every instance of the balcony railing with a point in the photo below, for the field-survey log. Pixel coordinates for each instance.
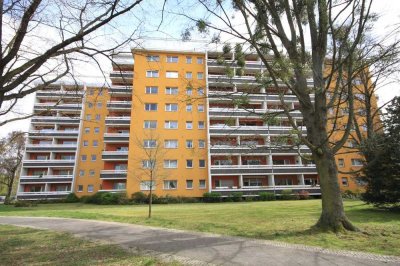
(54, 133)
(121, 90)
(250, 130)
(116, 137)
(51, 147)
(122, 74)
(44, 163)
(113, 174)
(263, 166)
(118, 120)
(115, 155)
(56, 119)
(263, 169)
(46, 179)
(119, 105)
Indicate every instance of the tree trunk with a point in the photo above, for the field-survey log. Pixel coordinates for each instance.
(150, 201)
(332, 217)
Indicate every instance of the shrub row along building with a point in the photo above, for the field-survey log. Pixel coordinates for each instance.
(178, 117)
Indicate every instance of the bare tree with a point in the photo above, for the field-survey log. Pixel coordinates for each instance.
(150, 160)
(297, 40)
(42, 41)
(12, 150)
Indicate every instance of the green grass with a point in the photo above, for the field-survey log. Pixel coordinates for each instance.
(287, 221)
(27, 246)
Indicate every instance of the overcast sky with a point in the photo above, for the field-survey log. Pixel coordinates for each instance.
(389, 11)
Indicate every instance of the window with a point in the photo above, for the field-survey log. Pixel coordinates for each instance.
(88, 117)
(150, 106)
(83, 158)
(202, 144)
(189, 144)
(91, 92)
(152, 73)
(172, 59)
(99, 105)
(188, 108)
(356, 162)
(80, 188)
(90, 188)
(188, 75)
(202, 183)
(93, 157)
(189, 163)
(170, 163)
(171, 144)
(171, 107)
(188, 59)
(100, 92)
(91, 172)
(199, 60)
(359, 96)
(170, 184)
(345, 182)
(189, 184)
(85, 143)
(171, 124)
(146, 185)
(150, 124)
(200, 75)
(189, 91)
(151, 90)
(153, 58)
(171, 74)
(200, 125)
(87, 130)
(95, 143)
(200, 91)
(96, 130)
(189, 124)
(97, 117)
(202, 163)
(148, 164)
(171, 90)
(149, 143)
(81, 172)
(341, 163)
(352, 143)
(90, 105)
(200, 108)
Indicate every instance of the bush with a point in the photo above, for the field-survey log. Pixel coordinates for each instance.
(303, 195)
(25, 203)
(71, 198)
(106, 198)
(211, 197)
(139, 197)
(237, 196)
(287, 194)
(266, 196)
(249, 199)
(348, 194)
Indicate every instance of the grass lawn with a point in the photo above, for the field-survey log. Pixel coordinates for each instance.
(287, 221)
(26, 246)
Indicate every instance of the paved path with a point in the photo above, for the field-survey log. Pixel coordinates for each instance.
(201, 249)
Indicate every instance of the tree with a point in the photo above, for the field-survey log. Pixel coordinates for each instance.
(150, 160)
(12, 150)
(42, 41)
(330, 55)
(382, 171)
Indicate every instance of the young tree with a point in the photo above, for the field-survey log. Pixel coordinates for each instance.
(382, 171)
(12, 150)
(297, 40)
(42, 41)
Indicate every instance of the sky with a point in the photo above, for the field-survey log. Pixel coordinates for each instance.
(171, 28)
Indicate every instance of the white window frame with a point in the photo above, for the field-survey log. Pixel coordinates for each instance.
(146, 185)
(170, 164)
(191, 183)
(172, 59)
(202, 144)
(359, 162)
(188, 59)
(172, 74)
(149, 143)
(167, 184)
(189, 124)
(201, 125)
(152, 74)
(189, 75)
(171, 90)
(205, 184)
(168, 124)
(148, 107)
(204, 163)
(90, 188)
(171, 107)
(147, 164)
(153, 58)
(200, 91)
(200, 108)
(189, 144)
(171, 144)
(187, 163)
(189, 107)
(147, 124)
(189, 91)
(200, 60)
(151, 90)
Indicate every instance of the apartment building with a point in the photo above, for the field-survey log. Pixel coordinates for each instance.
(176, 109)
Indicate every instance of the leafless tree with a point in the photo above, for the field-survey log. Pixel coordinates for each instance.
(297, 40)
(41, 42)
(12, 150)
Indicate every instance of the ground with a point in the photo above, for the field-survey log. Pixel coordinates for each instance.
(286, 221)
(23, 246)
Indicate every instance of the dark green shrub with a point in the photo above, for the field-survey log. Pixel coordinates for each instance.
(155, 199)
(211, 197)
(107, 198)
(85, 199)
(266, 196)
(303, 195)
(25, 203)
(139, 197)
(237, 196)
(249, 199)
(348, 194)
(287, 194)
(71, 198)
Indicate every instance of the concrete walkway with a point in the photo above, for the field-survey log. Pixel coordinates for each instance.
(198, 248)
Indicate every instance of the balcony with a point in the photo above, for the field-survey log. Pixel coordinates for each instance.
(112, 190)
(118, 120)
(217, 96)
(257, 150)
(115, 155)
(251, 113)
(49, 163)
(250, 80)
(263, 169)
(121, 90)
(46, 179)
(54, 133)
(213, 63)
(251, 130)
(254, 191)
(57, 94)
(42, 195)
(113, 174)
(55, 120)
(119, 105)
(58, 107)
(116, 137)
(125, 76)
(50, 147)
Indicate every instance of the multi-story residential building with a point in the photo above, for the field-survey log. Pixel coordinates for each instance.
(179, 105)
